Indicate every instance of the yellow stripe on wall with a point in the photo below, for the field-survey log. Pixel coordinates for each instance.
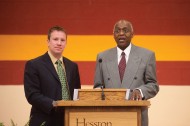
(86, 47)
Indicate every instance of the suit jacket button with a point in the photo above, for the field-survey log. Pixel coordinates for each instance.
(108, 78)
(135, 78)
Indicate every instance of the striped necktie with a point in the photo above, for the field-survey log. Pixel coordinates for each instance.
(122, 65)
(63, 80)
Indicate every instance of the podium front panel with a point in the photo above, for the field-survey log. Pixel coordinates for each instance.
(102, 116)
(102, 119)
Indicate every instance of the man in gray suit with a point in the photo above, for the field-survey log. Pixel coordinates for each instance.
(128, 66)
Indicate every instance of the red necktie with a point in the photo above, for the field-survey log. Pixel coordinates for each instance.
(122, 65)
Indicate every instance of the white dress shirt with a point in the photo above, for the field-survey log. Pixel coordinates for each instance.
(127, 52)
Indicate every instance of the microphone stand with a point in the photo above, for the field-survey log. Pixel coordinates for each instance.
(102, 85)
(102, 95)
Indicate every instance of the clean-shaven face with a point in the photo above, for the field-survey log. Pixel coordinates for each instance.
(123, 33)
(57, 43)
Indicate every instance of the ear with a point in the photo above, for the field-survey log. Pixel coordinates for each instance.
(48, 42)
(132, 34)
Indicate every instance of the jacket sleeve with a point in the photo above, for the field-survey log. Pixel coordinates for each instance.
(33, 89)
(150, 88)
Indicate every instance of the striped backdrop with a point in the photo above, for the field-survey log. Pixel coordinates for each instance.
(160, 25)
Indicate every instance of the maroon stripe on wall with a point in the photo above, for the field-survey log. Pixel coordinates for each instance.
(97, 17)
(173, 72)
(168, 72)
(11, 72)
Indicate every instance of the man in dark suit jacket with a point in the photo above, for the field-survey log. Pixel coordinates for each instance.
(42, 84)
(139, 73)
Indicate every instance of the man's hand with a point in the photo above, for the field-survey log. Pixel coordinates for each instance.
(54, 104)
(136, 95)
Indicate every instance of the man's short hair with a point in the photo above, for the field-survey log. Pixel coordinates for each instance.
(55, 28)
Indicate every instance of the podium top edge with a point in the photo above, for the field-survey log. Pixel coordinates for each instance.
(103, 103)
(105, 89)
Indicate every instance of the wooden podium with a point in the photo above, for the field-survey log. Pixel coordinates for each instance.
(90, 110)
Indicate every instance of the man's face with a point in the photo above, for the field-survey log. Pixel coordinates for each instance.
(123, 34)
(57, 42)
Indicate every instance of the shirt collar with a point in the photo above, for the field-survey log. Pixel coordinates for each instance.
(126, 51)
(53, 59)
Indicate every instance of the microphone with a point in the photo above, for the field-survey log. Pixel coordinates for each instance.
(102, 95)
(102, 87)
(101, 84)
(101, 73)
(100, 60)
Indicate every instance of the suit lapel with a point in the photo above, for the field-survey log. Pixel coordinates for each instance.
(49, 65)
(131, 68)
(112, 67)
(67, 69)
